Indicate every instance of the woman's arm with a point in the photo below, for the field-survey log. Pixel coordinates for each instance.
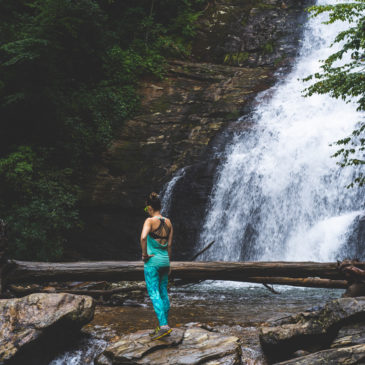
(145, 230)
(169, 245)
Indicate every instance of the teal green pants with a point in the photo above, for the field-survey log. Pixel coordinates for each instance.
(156, 281)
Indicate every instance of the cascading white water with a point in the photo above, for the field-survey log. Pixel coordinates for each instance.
(278, 194)
(167, 191)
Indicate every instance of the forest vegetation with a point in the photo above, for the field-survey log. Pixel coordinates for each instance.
(69, 74)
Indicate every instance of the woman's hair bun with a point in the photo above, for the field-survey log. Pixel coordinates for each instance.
(154, 201)
(154, 196)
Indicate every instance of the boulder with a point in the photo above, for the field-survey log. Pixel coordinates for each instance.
(251, 352)
(354, 290)
(350, 335)
(186, 345)
(29, 320)
(134, 346)
(311, 331)
(346, 355)
(355, 241)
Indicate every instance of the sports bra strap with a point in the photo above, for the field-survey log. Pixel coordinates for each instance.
(157, 233)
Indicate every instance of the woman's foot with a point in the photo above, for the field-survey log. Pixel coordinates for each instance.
(163, 331)
(154, 331)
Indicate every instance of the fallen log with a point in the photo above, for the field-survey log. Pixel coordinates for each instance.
(305, 282)
(34, 272)
(91, 292)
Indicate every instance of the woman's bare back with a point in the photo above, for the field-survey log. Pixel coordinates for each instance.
(161, 227)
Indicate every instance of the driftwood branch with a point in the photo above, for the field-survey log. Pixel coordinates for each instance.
(271, 288)
(203, 250)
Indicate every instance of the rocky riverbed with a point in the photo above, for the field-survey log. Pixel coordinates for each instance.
(214, 323)
(218, 309)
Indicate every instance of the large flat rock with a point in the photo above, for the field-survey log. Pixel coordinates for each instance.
(184, 346)
(23, 321)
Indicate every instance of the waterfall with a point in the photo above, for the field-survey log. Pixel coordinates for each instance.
(278, 195)
(167, 190)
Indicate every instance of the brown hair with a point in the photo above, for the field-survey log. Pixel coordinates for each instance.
(154, 201)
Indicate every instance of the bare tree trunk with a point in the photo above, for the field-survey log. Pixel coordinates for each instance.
(92, 292)
(34, 272)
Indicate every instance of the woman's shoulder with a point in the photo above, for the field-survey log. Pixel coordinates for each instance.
(153, 219)
(168, 221)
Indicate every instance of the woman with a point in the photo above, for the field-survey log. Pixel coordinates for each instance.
(156, 241)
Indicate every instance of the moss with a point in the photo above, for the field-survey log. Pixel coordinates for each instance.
(244, 20)
(235, 59)
(233, 115)
(268, 47)
(264, 6)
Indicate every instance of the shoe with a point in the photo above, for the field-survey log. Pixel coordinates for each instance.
(161, 333)
(154, 331)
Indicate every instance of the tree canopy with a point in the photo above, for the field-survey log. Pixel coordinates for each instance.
(346, 81)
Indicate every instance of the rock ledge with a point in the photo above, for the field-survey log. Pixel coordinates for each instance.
(187, 345)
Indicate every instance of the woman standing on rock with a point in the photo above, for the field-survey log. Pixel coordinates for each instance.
(156, 241)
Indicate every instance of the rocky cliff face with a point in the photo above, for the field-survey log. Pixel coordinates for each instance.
(185, 119)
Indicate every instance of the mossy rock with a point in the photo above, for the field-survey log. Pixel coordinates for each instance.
(236, 59)
(265, 6)
(268, 47)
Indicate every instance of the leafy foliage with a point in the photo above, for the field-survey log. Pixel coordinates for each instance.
(40, 204)
(69, 72)
(348, 80)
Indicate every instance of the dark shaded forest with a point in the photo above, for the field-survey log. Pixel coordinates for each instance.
(69, 76)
